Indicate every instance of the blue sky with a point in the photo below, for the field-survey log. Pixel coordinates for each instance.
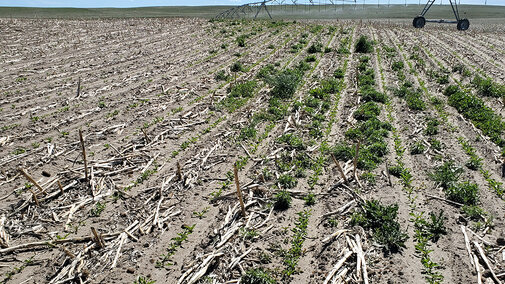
(142, 3)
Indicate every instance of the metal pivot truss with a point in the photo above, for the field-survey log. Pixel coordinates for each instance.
(245, 9)
(420, 20)
(253, 9)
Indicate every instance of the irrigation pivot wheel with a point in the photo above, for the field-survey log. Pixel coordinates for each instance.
(419, 22)
(463, 24)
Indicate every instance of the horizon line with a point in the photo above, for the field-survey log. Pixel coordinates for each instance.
(228, 5)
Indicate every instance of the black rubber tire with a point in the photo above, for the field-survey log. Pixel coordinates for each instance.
(463, 24)
(419, 22)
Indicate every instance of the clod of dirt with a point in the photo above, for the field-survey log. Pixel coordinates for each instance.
(500, 241)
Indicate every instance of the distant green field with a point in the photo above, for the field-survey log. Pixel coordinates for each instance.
(148, 12)
(284, 12)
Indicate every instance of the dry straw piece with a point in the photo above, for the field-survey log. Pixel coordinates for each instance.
(84, 155)
(239, 193)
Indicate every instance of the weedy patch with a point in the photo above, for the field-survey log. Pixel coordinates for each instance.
(367, 111)
(284, 83)
(239, 94)
(287, 181)
(310, 199)
(221, 76)
(363, 45)
(417, 148)
(292, 140)
(413, 97)
(282, 200)
(382, 222)
(371, 133)
(488, 88)
(257, 276)
(447, 175)
(316, 47)
(431, 126)
(466, 193)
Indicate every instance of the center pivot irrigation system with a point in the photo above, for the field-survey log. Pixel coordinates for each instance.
(420, 21)
(256, 7)
(253, 10)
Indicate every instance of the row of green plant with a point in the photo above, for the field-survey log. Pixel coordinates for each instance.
(475, 163)
(313, 107)
(224, 34)
(406, 91)
(293, 254)
(165, 259)
(16, 270)
(370, 131)
(487, 87)
(466, 193)
(484, 87)
(474, 109)
(283, 84)
(143, 176)
(414, 100)
(425, 230)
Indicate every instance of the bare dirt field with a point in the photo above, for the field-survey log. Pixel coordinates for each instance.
(364, 152)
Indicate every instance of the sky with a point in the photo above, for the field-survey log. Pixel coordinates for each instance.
(143, 3)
